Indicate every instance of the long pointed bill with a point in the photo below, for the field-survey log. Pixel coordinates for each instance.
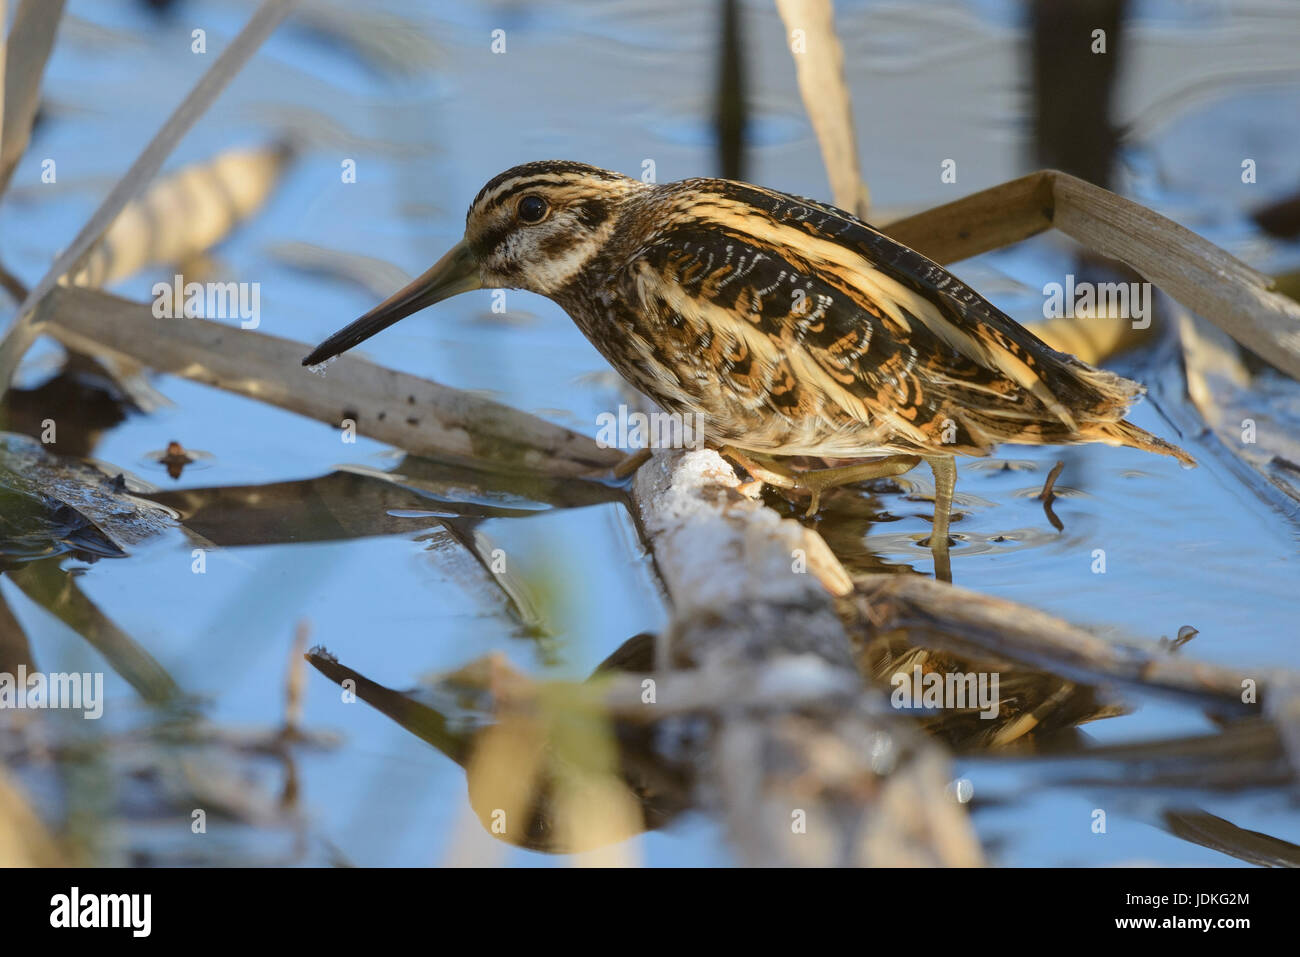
(451, 275)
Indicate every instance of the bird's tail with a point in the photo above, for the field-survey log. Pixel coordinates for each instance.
(1127, 434)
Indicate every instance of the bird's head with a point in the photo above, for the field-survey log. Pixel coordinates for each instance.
(533, 227)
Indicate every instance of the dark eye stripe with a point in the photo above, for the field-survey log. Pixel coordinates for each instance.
(592, 213)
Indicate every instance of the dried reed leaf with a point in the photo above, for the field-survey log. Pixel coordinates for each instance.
(185, 214)
(174, 223)
(1094, 339)
(547, 779)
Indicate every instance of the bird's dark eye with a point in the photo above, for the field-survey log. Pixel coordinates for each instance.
(532, 209)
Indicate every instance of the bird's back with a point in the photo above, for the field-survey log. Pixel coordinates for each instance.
(794, 327)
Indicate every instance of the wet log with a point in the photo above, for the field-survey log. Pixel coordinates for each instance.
(810, 767)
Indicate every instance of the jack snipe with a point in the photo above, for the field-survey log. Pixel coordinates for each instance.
(791, 327)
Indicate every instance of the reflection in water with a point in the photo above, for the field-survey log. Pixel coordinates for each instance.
(545, 768)
(80, 400)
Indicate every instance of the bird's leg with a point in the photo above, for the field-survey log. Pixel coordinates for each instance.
(945, 481)
(817, 481)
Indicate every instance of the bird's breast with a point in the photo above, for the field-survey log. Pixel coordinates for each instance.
(740, 391)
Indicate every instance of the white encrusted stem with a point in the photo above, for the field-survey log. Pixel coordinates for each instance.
(809, 766)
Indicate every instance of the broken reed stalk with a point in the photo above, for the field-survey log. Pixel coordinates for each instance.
(965, 622)
(414, 414)
(819, 69)
(1048, 494)
(22, 65)
(1200, 275)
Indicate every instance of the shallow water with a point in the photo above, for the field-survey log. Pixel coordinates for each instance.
(616, 84)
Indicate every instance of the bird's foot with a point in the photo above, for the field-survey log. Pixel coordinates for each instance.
(817, 481)
(769, 472)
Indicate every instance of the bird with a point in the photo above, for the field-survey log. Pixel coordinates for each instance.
(789, 328)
